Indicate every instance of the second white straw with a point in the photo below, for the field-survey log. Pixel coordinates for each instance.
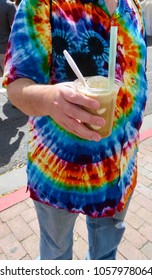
(112, 56)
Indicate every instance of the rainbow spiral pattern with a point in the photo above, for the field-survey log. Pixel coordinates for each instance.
(64, 170)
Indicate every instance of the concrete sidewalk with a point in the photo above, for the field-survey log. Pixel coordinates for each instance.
(19, 232)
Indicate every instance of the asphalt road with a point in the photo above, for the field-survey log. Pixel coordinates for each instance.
(13, 126)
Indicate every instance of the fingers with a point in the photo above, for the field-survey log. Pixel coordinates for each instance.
(79, 129)
(77, 112)
(73, 96)
(67, 110)
(73, 107)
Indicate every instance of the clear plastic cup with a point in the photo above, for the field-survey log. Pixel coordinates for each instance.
(98, 89)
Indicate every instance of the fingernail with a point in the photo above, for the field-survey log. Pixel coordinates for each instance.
(96, 105)
(101, 122)
(96, 137)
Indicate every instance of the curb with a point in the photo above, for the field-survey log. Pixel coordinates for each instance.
(21, 194)
(145, 134)
(13, 198)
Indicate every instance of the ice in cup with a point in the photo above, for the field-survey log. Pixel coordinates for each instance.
(98, 89)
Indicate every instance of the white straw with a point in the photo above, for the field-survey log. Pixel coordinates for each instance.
(74, 67)
(112, 56)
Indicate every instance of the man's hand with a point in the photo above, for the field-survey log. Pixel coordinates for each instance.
(62, 102)
(66, 109)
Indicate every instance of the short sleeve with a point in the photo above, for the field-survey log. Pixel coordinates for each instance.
(30, 44)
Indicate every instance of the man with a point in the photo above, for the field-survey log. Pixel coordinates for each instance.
(7, 12)
(71, 169)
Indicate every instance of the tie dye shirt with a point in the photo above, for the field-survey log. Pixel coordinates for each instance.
(65, 171)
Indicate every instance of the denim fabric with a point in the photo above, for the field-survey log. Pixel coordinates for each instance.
(105, 235)
(56, 234)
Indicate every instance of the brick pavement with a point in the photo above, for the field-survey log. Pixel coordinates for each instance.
(19, 232)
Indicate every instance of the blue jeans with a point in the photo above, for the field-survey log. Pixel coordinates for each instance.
(56, 234)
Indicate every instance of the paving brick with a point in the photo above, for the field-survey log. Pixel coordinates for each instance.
(146, 191)
(143, 180)
(35, 227)
(143, 149)
(147, 250)
(134, 206)
(31, 245)
(29, 214)
(140, 155)
(149, 175)
(15, 210)
(135, 193)
(145, 215)
(29, 202)
(142, 170)
(133, 220)
(19, 227)
(141, 161)
(120, 257)
(83, 217)
(146, 230)
(12, 248)
(80, 248)
(130, 252)
(122, 239)
(27, 257)
(148, 158)
(4, 230)
(81, 229)
(149, 166)
(75, 236)
(146, 144)
(149, 147)
(148, 141)
(144, 202)
(3, 257)
(75, 257)
(134, 237)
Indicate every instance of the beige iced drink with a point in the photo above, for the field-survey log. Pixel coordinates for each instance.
(98, 89)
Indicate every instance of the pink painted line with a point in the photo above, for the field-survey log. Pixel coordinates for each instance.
(13, 198)
(145, 134)
(21, 194)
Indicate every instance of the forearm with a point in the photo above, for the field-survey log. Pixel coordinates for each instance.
(62, 102)
(29, 97)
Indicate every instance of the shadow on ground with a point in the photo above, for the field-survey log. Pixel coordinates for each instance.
(149, 41)
(10, 131)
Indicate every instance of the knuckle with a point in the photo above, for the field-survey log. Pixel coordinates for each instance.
(72, 126)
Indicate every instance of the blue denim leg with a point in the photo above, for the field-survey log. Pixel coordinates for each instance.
(56, 232)
(104, 235)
